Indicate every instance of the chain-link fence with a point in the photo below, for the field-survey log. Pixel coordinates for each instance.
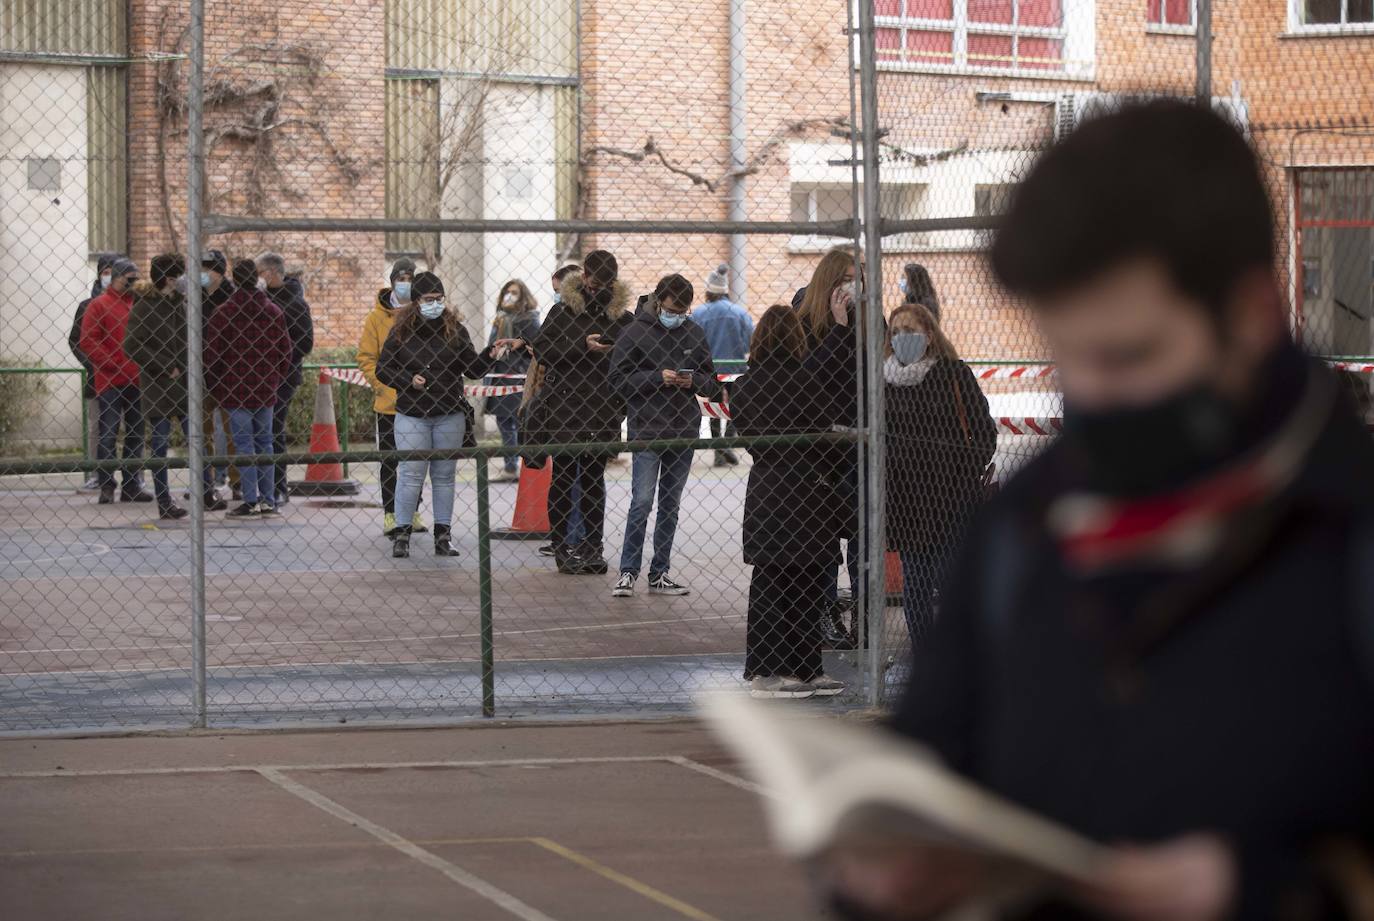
(320, 401)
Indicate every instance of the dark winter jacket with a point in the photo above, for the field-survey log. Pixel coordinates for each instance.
(102, 340)
(74, 343)
(156, 340)
(441, 362)
(643, 352)
(247, 351)
(510, 326)
(934, 466)
(1234, 696)
(576, 401)
(290, 299)
(217, 298)
(792, 508)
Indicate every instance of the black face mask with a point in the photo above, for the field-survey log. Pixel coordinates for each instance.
(1155, 448)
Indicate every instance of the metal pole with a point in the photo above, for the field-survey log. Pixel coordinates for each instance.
(484, 588)
(1204, 52)
(739, 254)
(195, 383)
(344, 421)
(85, 419)
(875, 600)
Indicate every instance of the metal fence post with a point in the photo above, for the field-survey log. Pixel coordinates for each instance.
(85, 418)
(195, 378)
(873, 493)
(344, 422)
(484, 587)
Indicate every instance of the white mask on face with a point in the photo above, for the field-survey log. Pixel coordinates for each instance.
(510, 299)
(105, 280)
(431, 310)
(262, 284)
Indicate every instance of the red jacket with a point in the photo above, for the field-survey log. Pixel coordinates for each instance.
(247, 351)
(102, 339)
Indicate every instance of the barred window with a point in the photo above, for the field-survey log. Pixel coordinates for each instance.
(1017, 36)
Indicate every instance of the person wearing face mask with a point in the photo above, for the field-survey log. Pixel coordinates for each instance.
(425, 359)
(102, 281)
(660, 365)
(1160, 633)
(217, 287)
(517, 317)
(376, 328)
(917, 287)
(156, 340)
(116, 381)
(940, 440)
(289, 295)
(578, 404)
(247, 356)
(728, 328)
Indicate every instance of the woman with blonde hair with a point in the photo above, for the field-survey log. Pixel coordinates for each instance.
(517, 317)
(940, 441)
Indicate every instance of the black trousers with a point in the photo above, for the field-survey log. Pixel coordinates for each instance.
(588, 472)
(722, 428)
(284, 396)
(783, 634)
(386, 441)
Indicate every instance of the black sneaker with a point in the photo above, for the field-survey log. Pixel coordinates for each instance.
(137, 494)
(268, 510)
(243, 511)
(548, 550)
(590, 562)
(213, 503)
(662, 585)
(172, 513)
(106, 496)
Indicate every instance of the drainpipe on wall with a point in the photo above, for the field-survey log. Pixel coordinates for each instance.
(739, 260)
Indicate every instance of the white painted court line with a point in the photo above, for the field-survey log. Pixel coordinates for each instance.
(462, 877)
(343, 766)
(723, 776)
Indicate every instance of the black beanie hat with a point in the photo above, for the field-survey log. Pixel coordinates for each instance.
(402, 265)
(165, 268)
(674, 288)
(601, 265)
(425, 283)
(214, 260)
(246, 273)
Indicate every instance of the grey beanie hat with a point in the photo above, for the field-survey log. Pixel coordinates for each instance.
(123, 266)
(404, 264)
(718, 282)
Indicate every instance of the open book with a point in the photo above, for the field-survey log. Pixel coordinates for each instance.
(828, 782)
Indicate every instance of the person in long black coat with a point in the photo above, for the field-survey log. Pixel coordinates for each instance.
(517, 317)
(940, 440)
(576, 403)
(792, 514)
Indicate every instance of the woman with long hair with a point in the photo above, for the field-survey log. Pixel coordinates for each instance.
(517, 317)
(940, 440)
(919, 288)
(791, 513)
(425, 359)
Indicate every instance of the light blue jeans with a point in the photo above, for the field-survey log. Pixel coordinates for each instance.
(251, 430)
(437, 433)
(665, 472)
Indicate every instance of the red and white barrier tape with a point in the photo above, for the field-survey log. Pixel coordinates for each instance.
(1013, 372)
(488, 390)
(1030, 425)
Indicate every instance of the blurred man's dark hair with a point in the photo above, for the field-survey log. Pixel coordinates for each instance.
(601, 267)
(1166, 179)
(565, 271)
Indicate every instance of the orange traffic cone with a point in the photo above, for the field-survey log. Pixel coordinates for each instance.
(892, 572)
(324, 479)
(530, 521)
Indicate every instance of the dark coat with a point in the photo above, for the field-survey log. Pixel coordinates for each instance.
(791, 506)
(576, 401)
(247, 351)
(1235, 696)
(290, 299)
(520, 326)
(934, 468)
(443, 363)
(643, 352)
(74, 343)
(156, 341)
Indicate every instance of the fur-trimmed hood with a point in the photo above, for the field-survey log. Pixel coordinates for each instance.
(575, 299)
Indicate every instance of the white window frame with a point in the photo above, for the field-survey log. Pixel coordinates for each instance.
(1170, 28)
(1078, 33)
(1296, 27)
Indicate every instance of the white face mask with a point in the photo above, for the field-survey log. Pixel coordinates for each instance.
(431, 310)
(262, 284)
(510, 299)
(105, 280)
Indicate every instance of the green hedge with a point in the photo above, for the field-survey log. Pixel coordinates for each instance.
(21, 399)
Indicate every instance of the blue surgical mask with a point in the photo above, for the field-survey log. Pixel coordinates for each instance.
(672, 320)
(432, 310)
(901, 286)
(105, 280)
(402, 291)
(205, 279)
(909, 348)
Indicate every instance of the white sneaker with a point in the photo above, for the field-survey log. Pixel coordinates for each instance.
(625, 587)
(825, 686)
(662, 585)
(777, 686)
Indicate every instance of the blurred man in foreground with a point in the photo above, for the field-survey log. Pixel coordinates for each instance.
(1161, 633)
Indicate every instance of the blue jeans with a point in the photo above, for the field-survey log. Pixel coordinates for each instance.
(251, 430)
(437, 433)
(162, 438)
(510, 437)
(921, 574)
(120, 405)
(666, 472)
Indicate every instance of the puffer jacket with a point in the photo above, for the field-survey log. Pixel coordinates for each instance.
(443, 363)
(576, 400)
(156, 341)
(376, 328)
(647, 349)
